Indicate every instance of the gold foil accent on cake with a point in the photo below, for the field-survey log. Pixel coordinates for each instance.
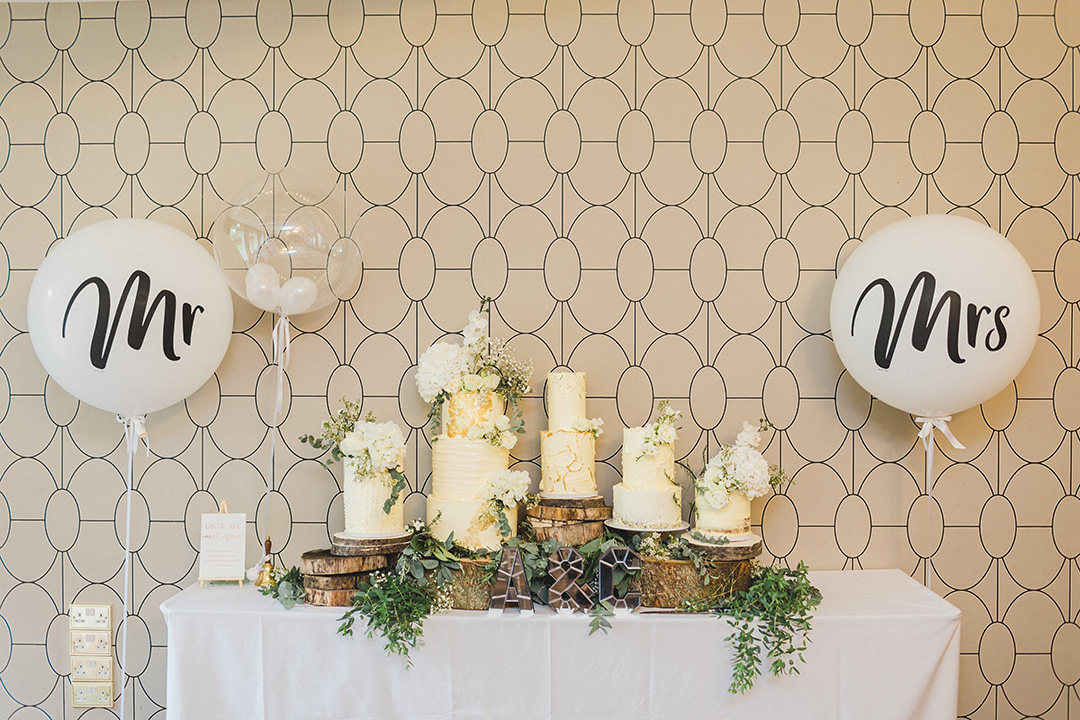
(466, 409)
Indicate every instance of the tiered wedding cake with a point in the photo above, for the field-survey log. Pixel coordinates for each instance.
(474, 495)
(568, 446)
(649, 497)
(461, 465)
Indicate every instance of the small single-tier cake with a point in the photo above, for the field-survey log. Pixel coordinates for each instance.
(730, 521)
(568, 446)
(365, 500)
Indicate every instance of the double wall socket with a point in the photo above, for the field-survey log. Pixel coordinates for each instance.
(91, 694)
(90, 617)
(86, 642)
(87, 668)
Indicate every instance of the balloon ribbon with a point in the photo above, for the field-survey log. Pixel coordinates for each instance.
(281, 342)
(926, 435)
(134, 430)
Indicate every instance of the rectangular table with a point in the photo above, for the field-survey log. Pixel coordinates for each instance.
(882, 647)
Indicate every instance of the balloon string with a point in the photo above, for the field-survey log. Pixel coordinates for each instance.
(281, 344)
(926, 435)
(134, 430)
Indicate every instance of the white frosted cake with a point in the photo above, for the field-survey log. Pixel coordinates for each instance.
(730, 521)
(365, 498)
(567, 452)
(460, 467)
(648, 498)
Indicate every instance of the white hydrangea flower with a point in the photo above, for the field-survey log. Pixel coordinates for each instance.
(440, 369)
(376, 446)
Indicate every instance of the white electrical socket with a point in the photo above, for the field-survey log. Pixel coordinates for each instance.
(91, 667)
(91, 643)
(90, 617)
(91, 694)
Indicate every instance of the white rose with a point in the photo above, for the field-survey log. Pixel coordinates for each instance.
(502, 423)
(474, 432)
(717, 498)
(491, 382)
(508, 440)
(352, 444)
(666, 434)
(471, 382)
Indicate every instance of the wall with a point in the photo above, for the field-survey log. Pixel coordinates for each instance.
(657, 196)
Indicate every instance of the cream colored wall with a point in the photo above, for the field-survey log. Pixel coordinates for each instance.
(659, 196)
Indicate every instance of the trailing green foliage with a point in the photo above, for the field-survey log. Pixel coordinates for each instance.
(600, 617)
(592, 551)
(287, 587)
(773, 617)
(395, 607)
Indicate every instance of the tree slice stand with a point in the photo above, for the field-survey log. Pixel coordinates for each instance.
(665, 583)
(571, 521)
(743, 549)
(323, 562)
(346, 545)
(470, 591)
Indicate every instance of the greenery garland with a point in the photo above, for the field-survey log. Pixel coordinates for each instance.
(771, 619)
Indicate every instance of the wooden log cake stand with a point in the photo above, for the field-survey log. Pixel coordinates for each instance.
(571, 521)
(665, 583)
(470, 590)
(332, 580)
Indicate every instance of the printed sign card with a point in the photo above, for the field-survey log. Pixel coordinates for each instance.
(221, 547)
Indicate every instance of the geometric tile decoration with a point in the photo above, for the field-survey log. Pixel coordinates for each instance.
(656, 193)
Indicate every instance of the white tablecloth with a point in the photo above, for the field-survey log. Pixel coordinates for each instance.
(882, 647)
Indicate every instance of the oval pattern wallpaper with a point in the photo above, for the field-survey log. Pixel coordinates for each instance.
(658, 193)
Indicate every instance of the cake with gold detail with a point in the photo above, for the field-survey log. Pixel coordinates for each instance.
(473, 388)
(649, 497)
(568, 446)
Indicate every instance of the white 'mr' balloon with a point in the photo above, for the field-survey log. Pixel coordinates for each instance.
(935, 314)
(129, 315)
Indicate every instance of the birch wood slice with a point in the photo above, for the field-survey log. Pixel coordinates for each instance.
(573, 514)
(334, 582)
(328, 598)
(342, 544)
(745, 549)
(567, 533)
(323, 562)
(665, 583)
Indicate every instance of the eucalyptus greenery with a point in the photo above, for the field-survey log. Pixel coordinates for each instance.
(287, 587)
(600, 617)
(395, 607)
(334, 430)
(593, 550)
(772, 616)
(397, 603)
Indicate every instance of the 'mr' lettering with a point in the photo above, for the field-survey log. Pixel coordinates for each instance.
(141, 316)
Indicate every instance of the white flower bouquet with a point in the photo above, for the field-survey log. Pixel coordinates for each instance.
(375, 447)
(594, 426)
(479, 364)
(504, 489)
(739, 468)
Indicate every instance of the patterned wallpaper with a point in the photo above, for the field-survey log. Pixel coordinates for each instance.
(656, 193)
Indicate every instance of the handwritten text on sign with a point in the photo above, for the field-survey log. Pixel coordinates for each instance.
(221, 546)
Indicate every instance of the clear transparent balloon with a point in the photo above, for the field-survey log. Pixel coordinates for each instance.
(285, 252)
